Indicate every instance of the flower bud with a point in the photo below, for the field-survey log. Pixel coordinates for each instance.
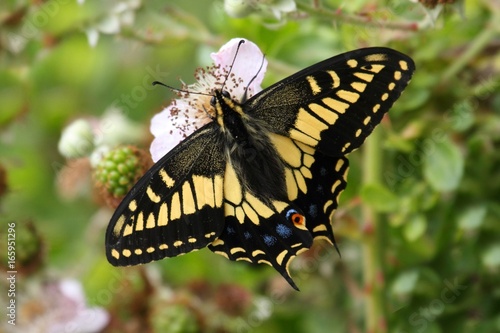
(77, 139)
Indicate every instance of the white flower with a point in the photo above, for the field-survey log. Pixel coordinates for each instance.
(193, 109)
(114, 129)
(61, 307)
(241, 8)
(122, 14)
(77, 139)
(95, 136)
(97, 155)
(238, 8)
(278, 7)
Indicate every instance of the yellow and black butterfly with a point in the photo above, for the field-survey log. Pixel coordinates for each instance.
(261, 181)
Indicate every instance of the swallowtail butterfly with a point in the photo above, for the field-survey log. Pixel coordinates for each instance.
(262, 180)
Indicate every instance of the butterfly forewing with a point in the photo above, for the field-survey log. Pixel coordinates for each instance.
(334, 105)
(175, 208)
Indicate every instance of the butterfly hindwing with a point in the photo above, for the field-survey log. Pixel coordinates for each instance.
(335, 104)
(274, 240)
(323, 192)
(314, 182)
(175, 208)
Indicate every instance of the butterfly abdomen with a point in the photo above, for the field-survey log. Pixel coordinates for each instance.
(251, 153)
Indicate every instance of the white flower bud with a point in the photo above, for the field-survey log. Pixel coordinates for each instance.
(77, 139)
(238, 8)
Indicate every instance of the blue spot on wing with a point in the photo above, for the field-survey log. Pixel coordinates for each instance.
(313, 210)
(283, 230)
(247, 235)
(230, 230)
(269, 240)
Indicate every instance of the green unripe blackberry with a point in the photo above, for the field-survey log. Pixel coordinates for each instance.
(118, 170)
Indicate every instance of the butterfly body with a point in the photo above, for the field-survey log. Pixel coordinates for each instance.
(249, 151)
(262, 180)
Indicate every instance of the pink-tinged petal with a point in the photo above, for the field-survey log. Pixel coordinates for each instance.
(161, 145)
(246, 67)
(162, 122)
(193, 110)
(61, 308)
(174, 124)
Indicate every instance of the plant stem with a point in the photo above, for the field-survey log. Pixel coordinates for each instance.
(372, 247)
(365, 21)
(473, 49)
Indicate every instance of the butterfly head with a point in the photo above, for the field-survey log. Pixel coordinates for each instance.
(227, 111)
(219, 95)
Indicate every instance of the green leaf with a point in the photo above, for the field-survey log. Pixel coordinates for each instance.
(379, 198)
(443, 164)
(472, 217)
(491, 257)
(418, 98)
(415, 227)
(405, 283)
(461, 116)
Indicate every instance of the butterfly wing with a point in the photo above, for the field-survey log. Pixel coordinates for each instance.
(322, 113)
(176, 207)
(257, 233)
(315, 117)
(323, 192)
(275, 240)
(193, 196)
(314, 182)
(335, 104)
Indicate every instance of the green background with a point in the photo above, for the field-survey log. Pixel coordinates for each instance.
(418, 226)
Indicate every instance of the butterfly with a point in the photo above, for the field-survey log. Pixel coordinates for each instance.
(262, 180)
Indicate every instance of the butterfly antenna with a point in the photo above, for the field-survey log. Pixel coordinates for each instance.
(253, 78)
(186, 92)
(232, 64)
(177, 89)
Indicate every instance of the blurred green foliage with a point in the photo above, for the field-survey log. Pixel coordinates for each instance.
(420, 237)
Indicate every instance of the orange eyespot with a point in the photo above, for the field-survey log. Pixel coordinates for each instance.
(298, 219)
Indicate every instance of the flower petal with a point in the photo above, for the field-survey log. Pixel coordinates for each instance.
(109, 25)
(172, 125)
(238, 8)
(92, 36)
(189, 113)
(246, 67)
(77, 139)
